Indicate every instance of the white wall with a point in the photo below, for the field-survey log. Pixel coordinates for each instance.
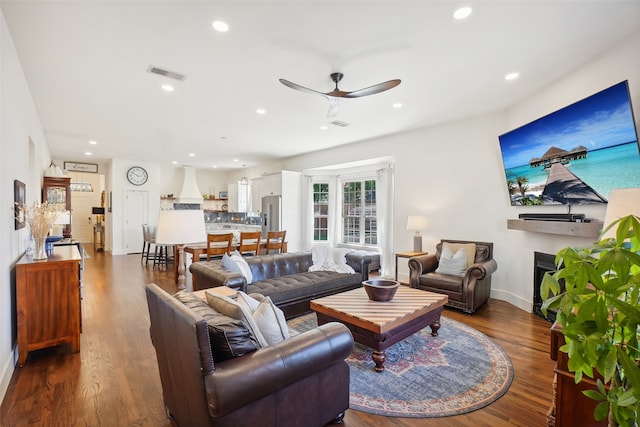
(19, 127)
(453, 173)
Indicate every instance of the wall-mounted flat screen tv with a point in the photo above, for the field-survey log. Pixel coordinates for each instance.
(576, 155)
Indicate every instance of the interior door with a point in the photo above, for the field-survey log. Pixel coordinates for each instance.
(135, 213)
(81, 217)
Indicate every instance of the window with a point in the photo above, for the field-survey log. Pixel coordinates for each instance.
(359, 224)
(321, 212)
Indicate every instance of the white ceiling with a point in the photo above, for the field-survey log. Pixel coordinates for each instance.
(86, 65)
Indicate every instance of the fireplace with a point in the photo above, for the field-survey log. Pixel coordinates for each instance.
(542, 263)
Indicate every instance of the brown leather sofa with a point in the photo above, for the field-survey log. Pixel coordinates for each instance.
(467, 292)
(302, 381)
(285, 278)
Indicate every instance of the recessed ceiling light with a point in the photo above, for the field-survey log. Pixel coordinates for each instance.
(88, 153)
(324, 127)
(220, 26)
(261, 111)
(192, 155)
(93, 142)
(174, 163)
(214, 166)
(511, 76)
(167, 88)
(397, 105)
(462, 12)
(235, 160)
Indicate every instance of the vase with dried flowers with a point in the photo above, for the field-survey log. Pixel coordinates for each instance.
(40, 217)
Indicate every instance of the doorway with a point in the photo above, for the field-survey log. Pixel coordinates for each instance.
(81, 218)
(136, 209)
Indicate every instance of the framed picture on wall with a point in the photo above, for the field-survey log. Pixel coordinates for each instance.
(223, 195)
(19, 199)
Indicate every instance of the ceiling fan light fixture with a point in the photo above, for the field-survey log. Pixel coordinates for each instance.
(336, 95)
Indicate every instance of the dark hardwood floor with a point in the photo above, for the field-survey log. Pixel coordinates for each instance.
(114, 379)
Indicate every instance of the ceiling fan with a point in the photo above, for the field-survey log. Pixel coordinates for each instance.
(336, 95)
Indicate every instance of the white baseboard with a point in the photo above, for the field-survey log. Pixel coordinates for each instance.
(8, 367)
(511, 298)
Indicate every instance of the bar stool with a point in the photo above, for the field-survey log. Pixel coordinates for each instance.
(148, 236)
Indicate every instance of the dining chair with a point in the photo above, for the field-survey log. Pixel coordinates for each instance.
(249, 242)
(275, 241)
(219, 244)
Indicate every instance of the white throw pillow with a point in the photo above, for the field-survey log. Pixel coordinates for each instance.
(243, 266)
(269, 318)
(469, 250)
(339, 255)
(449, 263)
(233, 309)
(321, 254)
(230, 264)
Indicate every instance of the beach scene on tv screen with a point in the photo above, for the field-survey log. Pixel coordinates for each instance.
(575, 155)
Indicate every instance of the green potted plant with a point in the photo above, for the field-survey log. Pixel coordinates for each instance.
(598, 307)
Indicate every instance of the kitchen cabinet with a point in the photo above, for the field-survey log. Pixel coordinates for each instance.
(48, 301)
(58, 190)
(239, 197)
(272, 185)
(256, 194)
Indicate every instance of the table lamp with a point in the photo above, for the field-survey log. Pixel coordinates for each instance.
(622, 202)
(61, 220)
(179, 228)
(417, 223)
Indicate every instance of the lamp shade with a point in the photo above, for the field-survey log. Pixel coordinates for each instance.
(181, 227)
(417, 223)
(622, 202)
(63, 217)
(97, 211)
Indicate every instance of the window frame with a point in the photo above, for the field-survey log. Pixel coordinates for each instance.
(317, 215)
(367, 234)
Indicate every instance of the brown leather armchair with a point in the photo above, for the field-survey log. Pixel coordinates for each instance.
(302, 381)
(467, 292)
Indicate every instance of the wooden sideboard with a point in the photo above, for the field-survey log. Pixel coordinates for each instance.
(570, 407)
(48, 301)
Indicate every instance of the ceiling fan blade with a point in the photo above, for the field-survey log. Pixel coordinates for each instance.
(334, 107)
(300, 88)
(371, 90)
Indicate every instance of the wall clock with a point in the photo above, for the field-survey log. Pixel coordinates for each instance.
(137, 175)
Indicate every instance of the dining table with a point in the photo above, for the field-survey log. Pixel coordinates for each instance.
(197, 250)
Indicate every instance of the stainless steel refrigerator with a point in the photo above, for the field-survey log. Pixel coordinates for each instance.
(271, 214)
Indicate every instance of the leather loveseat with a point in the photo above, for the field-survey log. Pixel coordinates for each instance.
(285, 278)
(302, 381)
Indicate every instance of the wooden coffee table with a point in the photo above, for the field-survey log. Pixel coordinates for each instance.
(379, 325)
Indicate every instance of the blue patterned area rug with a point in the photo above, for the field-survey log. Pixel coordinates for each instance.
(458, 371)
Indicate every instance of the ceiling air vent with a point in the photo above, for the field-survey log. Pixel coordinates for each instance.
(166, 73)
(339, 123)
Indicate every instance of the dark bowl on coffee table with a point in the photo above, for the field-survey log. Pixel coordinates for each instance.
(381, 289)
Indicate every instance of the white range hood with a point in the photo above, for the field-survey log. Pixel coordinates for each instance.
(190, 192)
